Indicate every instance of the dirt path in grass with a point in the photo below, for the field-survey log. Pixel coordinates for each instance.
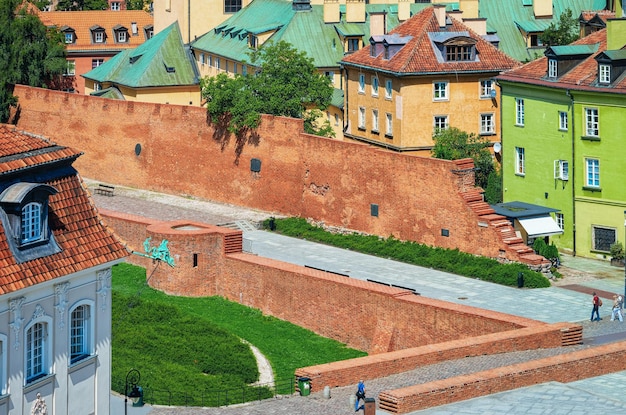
(266, 374)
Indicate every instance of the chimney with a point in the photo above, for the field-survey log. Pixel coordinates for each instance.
(378, 24)
(133, 28)
(331, 11)
(404, 10)
(355, 11)
(469, 8)
(440, 13)
(477, 25)
(542, 8)
(615, 34)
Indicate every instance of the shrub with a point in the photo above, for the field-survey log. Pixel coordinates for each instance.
(617, 250)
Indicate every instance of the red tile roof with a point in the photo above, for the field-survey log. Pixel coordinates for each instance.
(83, 21)
(582, 77)
(418, 55)
(84, 240)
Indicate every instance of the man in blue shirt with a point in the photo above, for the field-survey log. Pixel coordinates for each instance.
(360, 394)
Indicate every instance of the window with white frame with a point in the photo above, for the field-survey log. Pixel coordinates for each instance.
(80, 333)
(487, 123)
(70, 68)
(374, 85)
(604, 73)
(201, 58)
(519, 111)
(552, 68)
(37, 351)
(486, 85)
(115, 6)
(375, 120)
(209, 60)
(31, 223)
(563, 121)
(602, 238)
(388, 88)
(592, 172)
(96, 62)
(520, 161)
(69, 37)
(330, 75)
(98, 36)
(440, 90)
(389, 124)
(3, 365)
(561, 170)
(218, 63)
(559, 221)
(592, 122)
(362, 117)
(361, 83)
(440, 122)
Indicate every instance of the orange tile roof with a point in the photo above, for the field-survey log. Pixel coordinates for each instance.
(84, 240)
(83, 21)
(418, 55)
(582, 77)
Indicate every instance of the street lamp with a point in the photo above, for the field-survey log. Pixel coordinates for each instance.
(624, 297)
(132, 378)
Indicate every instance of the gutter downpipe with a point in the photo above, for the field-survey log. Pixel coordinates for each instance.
(572, 175)
(188, 21)
(346, 101)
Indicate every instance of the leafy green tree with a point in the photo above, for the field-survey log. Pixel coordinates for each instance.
(30, 53)
(137, 5)
(73, 5)
(286, 82)
(454, 144)
(562, 33)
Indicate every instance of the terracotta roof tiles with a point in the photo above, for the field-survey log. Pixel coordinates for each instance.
(78, 229)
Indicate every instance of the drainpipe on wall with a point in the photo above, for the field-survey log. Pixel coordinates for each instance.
(188, 21)
(345, 103)
(572, 175)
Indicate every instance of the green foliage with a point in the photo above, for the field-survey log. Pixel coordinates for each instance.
(493, 191)
(182, 344)
(30, 54)
(617, 250)
(286, 83)
(448, 260)
(74, 5)
(454, 144)
(562, 33)
(539, 246)
(137, 5)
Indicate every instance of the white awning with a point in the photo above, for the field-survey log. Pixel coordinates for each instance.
(540, 226)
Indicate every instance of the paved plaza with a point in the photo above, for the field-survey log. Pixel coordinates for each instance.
(601, 394)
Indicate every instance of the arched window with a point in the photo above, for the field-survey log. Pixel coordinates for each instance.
(31, 222)
(80, 333)
(37, 365)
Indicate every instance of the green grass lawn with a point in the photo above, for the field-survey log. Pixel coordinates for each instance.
(186, 349)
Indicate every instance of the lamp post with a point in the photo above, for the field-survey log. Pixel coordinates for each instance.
(624, 297)
(132, 378)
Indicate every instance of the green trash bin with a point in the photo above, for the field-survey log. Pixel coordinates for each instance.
(304, 384)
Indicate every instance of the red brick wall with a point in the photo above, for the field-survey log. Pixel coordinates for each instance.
(301, 175)
(364, 315)
(348, 372)
(569, 367)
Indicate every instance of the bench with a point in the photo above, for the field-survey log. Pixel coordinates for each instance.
(105, 189)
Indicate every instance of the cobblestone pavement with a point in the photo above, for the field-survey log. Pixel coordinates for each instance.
(604, 394)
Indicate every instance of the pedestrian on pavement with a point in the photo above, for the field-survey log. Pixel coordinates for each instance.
(360, 394)
(617, 308)
(596, 307)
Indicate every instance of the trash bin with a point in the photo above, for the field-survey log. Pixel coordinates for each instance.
(304, 384)
(370, 406)
(520, 280)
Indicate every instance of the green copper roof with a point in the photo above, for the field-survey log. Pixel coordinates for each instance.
(534, 26)
(504, 18)
(569, 50)
(337, 98)
(305, 30)
(112, 93)
(616, 55)
(160, 61)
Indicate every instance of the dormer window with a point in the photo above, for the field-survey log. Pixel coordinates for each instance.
(604, 73)
(116, 6)
(458, 53)
(149, 31)
(24, 215)
(454, 46)
(253, 41)
(353, 44)
(552, 68)
(98, 34)
(121, 34)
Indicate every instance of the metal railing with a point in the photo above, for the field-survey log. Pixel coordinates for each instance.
(217, 397)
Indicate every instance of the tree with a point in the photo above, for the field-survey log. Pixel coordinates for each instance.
(74, 5)
(563, 33)
(286, 82)
(454, 144)
(30, 54)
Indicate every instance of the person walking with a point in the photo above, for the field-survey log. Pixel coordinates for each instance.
(617, 308)
(596, 307)
(360, 394)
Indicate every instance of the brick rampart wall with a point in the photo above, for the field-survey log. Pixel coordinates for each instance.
(333, 306)
(301, 175)
(348, 372)
(568, 367)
